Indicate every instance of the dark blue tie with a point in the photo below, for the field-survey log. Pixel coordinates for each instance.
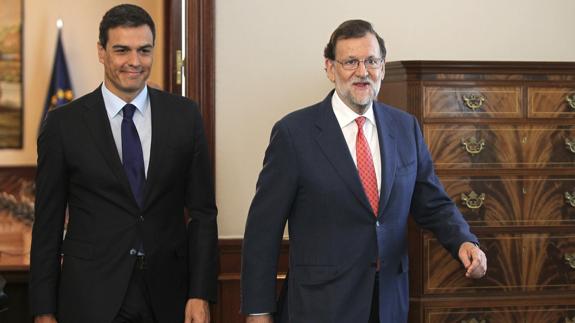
(132, 155)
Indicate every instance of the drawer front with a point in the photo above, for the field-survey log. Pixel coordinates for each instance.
(514, 201)
(500, 146)
(511, 314)
(551, 102)
(472, 102)
(516, 263)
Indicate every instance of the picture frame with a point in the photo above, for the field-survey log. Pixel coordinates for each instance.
(11, 74)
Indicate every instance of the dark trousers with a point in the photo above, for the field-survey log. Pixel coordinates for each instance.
(374, 315)
(136, 307)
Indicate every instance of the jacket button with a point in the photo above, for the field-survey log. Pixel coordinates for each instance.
(133, 252)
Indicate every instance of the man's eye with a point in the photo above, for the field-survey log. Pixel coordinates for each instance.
(351, 62)
(371, 61)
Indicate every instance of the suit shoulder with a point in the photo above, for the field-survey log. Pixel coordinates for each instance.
(73, 108)
(302, 115)
(392, 111)
(399, 118)
(172, 99)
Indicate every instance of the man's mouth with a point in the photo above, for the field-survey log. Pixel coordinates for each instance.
(132, 73)
(361, 85)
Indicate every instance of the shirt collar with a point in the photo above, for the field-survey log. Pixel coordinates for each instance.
(114, 104)
(345, 115)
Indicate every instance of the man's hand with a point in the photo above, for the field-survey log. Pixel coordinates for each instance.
(266, 318)
(473, 260)
(197, 311)
(45, 318)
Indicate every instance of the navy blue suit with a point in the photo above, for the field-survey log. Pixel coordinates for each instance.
(309, 179)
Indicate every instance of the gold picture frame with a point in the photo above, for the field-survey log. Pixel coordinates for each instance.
(11, 85)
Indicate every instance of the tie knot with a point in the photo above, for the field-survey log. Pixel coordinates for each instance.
(360, 121)
(129, 110)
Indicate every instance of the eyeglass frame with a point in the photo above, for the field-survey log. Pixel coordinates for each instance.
(358, 61)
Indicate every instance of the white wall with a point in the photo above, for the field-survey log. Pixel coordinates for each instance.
(269, 62)
(80, 35)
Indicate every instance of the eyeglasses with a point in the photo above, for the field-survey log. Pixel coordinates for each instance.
(371, 63)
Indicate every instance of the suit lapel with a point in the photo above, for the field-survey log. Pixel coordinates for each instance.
(160, 128)
(333, 145)
(96, 120)
(388, 151)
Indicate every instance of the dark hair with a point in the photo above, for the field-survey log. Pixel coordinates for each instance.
(351, 29)
(124, 15)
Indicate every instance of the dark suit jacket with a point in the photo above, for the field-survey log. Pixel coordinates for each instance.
(310, 180)
(79, 167)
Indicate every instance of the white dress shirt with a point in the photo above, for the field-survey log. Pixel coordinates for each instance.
(142, 119)
(346, 119)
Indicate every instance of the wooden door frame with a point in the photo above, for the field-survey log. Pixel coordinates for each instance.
(200, 61)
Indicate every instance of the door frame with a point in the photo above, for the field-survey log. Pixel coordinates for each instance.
(199, 63)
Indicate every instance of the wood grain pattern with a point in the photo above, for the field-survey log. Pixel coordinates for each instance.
(550, 102)
(515, 314)
(517, 263)
(448, 102)
(514, 201)
(506, 146)
(524, 174)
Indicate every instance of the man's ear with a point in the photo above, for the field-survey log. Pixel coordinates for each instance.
(330, 69)
(101, 52)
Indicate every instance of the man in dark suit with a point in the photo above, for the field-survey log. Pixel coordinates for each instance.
(345, 173)
(127, 161)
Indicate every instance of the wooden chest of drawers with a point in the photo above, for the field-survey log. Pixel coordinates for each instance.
(502, 137)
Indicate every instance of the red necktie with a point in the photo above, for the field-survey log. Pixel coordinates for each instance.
(365, 167)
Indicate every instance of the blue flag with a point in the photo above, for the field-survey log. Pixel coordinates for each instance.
(60, 90)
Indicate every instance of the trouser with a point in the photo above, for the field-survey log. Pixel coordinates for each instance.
(374, 315)
(137, 306)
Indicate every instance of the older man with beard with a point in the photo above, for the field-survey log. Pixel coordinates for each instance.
(346, 173)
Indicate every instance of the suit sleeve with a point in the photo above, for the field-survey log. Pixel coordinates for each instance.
(50, 209)
(202, 228)
(270, 208)
(431, 206)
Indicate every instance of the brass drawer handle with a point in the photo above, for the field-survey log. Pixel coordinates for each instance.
(570, 144)
(570, 259)
(571, 101)
(570, 198)
(473, 146)
(473, 201)
(474, 101)
(473, 320)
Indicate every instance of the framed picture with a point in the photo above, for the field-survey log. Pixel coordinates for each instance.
(11, 89)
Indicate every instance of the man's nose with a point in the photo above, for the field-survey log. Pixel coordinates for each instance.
(134, 58)
(361, 70)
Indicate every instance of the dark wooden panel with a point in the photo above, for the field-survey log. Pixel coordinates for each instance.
(500, 146)
(200, 61)
(17, 291)
(513, 201)
(200, 64)
(551, 102)
(525, 170)
(517, 263)
(490, 102)
(518, 314)
(227, 310)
